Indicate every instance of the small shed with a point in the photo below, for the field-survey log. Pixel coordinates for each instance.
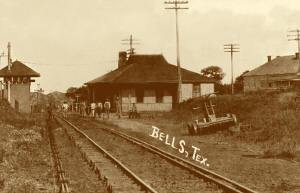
(16, 82)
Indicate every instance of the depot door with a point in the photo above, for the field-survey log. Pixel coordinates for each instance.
(128, 98)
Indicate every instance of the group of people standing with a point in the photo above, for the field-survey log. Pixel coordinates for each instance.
(94, 109)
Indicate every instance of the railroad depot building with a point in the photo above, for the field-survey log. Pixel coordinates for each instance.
(149, 81)
(16, 83)
(279, 73)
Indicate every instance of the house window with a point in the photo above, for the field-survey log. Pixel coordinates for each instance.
(139, 95)
(159, 96)
(196, 90)
(263, 83)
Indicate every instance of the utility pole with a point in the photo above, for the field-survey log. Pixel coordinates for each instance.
(38, 91)
(130, 42)
(77, 102)
(176, 6)
(2, 83)
(9, 69)
(294, 35)
(9, 56)
(231, 48)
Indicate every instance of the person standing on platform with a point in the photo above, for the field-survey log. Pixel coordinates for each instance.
(118, 107)
(87, 109)
(82, 109)
(93, 109)
(65, 108)
(107, 108)
(99, 109)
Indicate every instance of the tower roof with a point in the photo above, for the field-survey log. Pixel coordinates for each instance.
(18, 69)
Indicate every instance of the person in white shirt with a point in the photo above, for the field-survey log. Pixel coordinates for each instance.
(93, 109)
(65, 108)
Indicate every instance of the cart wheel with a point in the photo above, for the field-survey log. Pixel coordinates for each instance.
(195, 128)
(234, 118)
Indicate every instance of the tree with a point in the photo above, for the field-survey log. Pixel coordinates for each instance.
(71, 92)
(214, 72)
(82, 92)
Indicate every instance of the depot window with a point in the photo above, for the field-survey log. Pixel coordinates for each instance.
(139, 95)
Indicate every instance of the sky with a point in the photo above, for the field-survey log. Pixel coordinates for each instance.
(70, 42)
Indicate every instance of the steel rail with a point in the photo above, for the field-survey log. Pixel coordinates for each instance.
(222, 181)
(136, 179)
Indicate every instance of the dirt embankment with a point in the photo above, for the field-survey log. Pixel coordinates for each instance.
(25, 159)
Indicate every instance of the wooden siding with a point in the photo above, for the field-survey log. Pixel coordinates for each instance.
(196, 90)
(255, 83)
(149, 100)
(148, 107)
(167, 98)
(155, 107)
(19, 94)
(149, 96)
(207, 88)
(187, 91)
(128, 96)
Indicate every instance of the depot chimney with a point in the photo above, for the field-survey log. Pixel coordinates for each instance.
(122, 59)
(269, 58)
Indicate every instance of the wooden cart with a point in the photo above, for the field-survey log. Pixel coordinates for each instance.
(210, 122)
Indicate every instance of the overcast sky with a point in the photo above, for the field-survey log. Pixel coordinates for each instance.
(73, 41)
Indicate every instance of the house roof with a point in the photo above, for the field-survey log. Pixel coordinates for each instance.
(149, 69)
(279, 65)
(18, 69)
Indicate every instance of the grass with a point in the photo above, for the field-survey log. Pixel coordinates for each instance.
(12, 117)
(272, 119)
(23, 152)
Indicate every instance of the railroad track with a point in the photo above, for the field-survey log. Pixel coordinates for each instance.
(222, 182)
(118, 178)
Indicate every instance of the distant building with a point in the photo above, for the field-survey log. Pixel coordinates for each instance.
(16, 81)
(149, 81)
(278, 73)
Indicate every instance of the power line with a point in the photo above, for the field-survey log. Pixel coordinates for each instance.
(232, 48)
(130, 42)
(176, 6)
(69, 64)
(294, 35)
